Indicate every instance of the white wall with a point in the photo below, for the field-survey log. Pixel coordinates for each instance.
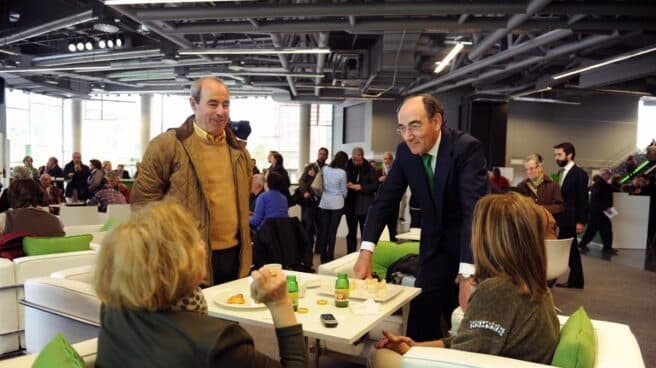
(602, 128)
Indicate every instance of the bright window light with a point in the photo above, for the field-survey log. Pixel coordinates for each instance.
(646, 122)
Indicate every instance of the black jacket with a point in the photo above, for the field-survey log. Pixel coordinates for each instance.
(79, 180)
(446, 212)
(575, 196)
(601, 197)
(280, 240)
(358, 202)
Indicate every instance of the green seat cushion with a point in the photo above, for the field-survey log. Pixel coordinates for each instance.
(387, 253)
(110, 224)
(58, 353)
(48, 245)
(576, 347)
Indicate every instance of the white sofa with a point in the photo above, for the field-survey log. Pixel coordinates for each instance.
(87, 350)
(616, 347)
(13, 274)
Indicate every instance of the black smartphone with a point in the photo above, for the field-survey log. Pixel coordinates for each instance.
(328, 320)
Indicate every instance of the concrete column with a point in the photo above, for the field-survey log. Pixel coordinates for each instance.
(76, 117)
(304, 137)
(146, 102)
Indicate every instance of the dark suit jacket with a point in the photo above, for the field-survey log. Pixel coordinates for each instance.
(357, 203)
(78, 182)
(460, 180)
(601, 197)
(575, 195)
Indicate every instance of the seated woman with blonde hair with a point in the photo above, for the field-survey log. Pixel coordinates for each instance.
(153, 311)
(511, 312)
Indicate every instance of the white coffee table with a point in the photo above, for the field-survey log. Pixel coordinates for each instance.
(350, 327)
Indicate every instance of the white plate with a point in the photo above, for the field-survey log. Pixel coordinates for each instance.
(222, 300)
(390, 291)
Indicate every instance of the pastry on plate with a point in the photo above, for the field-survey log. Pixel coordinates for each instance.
(237, 299)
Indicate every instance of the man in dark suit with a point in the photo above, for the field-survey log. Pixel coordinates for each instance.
(392, 221)
(362, 183)
(75, 174)
(601, 200)
(574, 188)
(446, 171)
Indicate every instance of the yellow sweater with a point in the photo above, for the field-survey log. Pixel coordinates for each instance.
(217, 181)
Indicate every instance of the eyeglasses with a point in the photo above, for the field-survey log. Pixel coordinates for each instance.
(413, 128)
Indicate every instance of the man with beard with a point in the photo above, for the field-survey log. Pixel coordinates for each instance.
(574, 188)
(203, 167)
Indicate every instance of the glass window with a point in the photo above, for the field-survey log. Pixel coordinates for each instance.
(646, 122)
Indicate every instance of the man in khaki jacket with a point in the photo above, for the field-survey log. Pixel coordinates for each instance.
(205, 168)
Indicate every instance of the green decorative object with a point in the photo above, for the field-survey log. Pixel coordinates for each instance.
(49, 245)
(387, 252)
(58, 353)
(576, 347)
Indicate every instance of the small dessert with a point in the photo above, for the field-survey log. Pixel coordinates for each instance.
(237, 299)
(302, 310)
(322, 301)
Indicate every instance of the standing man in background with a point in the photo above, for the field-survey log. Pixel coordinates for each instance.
(362, 183)
(574, 188)
(76, 174)
(208, 171)
(392, 221)
(446, 172)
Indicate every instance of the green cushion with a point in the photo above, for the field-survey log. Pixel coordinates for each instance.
(576, 347)
(387, 253)
(58, 353)
(110, 224)
(48, 245)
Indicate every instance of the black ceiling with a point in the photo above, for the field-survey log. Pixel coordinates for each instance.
(378, 49)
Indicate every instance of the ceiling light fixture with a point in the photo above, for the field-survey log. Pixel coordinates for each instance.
(71, 47)
(102, 44)
(545, 100)
(118, 42)
(80, 46)
(55, 69)
(143, 2)
(440, 65)
(616, 59)
(88, 45)
(110, 43)
(531, 91)
(270, 51)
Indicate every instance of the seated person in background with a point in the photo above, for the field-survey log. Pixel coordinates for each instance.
(53, 195)
(499, 182)
(27, 215)
(107, 195)
(114, 181)
(122, 173)
(20, 173)
(257, 188)
(511, 312)
(154, 316)
(272, 203)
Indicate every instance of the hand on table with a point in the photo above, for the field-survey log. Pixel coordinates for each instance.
(269, 286)
(362, 267)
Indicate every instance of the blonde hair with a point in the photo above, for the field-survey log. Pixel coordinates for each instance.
(150, 261)
(508, 242)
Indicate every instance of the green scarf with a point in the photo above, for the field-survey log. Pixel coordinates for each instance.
(537, 182)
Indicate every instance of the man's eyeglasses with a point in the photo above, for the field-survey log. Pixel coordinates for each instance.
(413, 128)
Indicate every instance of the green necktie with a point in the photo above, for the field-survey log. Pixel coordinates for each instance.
(426, 160)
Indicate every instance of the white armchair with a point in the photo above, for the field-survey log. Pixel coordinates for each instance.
(616, 347)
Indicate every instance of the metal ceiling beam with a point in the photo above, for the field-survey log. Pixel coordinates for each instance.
(479, 50)
(389, 9)
(542, 40)
(48, 27)
(71, 58)
(332, 10)
(321, 59)
(619, 72)
(411, 24)
(275, 38)
(534, 60)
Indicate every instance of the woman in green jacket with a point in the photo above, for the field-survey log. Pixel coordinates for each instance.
(153, 311)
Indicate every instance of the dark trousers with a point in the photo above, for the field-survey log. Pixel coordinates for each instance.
(329, 224)
(601, 223)
(392, 222)
(352, 221)
(310, 219)
(430, 311)
(415, 217)
(225, 264)
(575, 266)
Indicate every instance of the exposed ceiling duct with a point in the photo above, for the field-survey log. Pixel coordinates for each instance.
(95, 57)
(48, 27)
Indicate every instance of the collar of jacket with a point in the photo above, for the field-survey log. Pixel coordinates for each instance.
(187, 128)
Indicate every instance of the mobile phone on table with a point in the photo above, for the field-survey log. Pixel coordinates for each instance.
(328, 320)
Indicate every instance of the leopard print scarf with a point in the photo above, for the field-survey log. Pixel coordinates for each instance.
(192, 302)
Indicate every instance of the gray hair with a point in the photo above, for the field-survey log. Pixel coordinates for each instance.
(259, 179)
(535, 157)
(197, 86)
(22, 172)
(388, 153)
(359, 150)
